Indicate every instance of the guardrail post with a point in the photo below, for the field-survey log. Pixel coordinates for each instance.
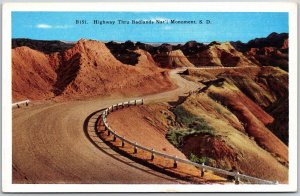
(175, 162)
(142, 101)
(237, 178)
(108, 132)
(135, 149)
(123, 143)
(122, 104)
(115, 138)
(152, 155)
(134, 102)
(202, 169)
(18, 106)
(26, 103)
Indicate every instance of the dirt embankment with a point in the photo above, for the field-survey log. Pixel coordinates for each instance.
(148, 126)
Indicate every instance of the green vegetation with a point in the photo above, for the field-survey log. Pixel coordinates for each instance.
(176, 136)
(190, 120)
(200, 160)
(183, 116)
(206, 160)
(192, 125)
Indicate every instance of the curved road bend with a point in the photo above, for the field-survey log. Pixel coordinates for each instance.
(50, 145)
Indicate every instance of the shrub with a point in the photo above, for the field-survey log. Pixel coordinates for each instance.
(200, 160)
(193, 125)
(191, 121)
(176, 136)
(183, 116)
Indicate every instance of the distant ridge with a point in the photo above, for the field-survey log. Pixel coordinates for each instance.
(46, 47)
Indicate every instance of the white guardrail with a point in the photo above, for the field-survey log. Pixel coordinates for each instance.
(238, 177)
(26, 102)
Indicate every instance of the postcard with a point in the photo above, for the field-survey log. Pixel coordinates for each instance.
(149, 97)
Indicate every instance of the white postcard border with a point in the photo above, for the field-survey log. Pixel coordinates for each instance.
(7, 185)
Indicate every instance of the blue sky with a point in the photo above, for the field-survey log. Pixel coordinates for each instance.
(225, 26)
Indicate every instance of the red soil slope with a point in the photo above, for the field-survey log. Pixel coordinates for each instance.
(33, 73)
(254, 120)
(150, 118)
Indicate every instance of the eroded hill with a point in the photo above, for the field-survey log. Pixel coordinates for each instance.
(56, 69)
(87, 69)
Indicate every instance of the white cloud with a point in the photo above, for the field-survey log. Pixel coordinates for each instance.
(43, 26)
(47, 26)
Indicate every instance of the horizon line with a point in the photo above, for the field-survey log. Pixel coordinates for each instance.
(178, 42)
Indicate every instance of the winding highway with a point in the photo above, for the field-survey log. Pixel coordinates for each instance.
(50, 143)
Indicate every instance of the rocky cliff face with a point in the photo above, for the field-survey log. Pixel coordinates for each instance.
(269, 51)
